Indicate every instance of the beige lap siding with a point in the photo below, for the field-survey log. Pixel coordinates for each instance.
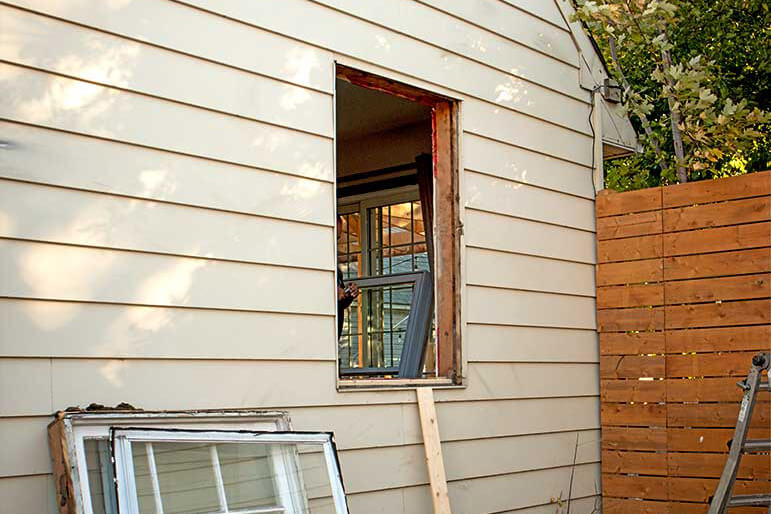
(166, 214)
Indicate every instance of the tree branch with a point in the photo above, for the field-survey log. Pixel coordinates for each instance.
(677, 137)
(643, 118)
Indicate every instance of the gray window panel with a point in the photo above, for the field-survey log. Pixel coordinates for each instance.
(418, 324)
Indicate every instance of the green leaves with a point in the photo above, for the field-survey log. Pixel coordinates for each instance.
(705, 63)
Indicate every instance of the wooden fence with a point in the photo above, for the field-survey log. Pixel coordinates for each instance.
(684, 301)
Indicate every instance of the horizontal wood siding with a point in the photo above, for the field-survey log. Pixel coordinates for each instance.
(166, 213)
(683, 305)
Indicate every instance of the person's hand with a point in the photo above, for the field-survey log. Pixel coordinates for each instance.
(352, 291)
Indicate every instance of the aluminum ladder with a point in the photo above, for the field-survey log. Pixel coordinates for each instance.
(740, 445)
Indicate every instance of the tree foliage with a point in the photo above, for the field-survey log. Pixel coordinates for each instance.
(695, 75)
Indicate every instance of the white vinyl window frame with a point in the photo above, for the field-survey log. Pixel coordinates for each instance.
(286, 466)
(79, 427)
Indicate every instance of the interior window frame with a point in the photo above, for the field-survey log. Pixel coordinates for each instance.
(361, 205)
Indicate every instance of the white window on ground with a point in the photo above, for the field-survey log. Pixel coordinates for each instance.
(200, 463)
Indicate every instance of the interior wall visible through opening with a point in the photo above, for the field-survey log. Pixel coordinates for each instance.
(381, 141)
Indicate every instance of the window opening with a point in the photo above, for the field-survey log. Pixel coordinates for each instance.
(392, 140)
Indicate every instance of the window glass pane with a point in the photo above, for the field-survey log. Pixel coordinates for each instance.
(215, 477)
(375, 325)
(185, 478)
(388, 309)
(100, 476)
(419, 228)
(248, 475)
(398, 239)
(314, 477)
(349, 246)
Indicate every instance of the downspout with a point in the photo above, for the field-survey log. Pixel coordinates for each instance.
(598, 171)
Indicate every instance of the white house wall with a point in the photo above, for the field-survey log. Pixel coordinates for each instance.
(167, 213)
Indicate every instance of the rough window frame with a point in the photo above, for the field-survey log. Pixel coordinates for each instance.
(447, 227)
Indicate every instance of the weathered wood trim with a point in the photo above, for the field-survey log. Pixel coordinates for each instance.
(447, 232)
(60, 443)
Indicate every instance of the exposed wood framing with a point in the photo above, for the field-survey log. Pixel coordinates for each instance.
(447, 236)
(385, 85)
(62, 467)
(433, 447)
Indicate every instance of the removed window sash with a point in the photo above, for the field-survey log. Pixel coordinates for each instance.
(85, 461)
(283, 455)
(418, 324)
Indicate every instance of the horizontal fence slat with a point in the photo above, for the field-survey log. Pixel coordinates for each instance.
(742, 287)
(644, 463)
(705, 191)
(622, 320)
(652, 488)
(610, 203)
(632, 438)
(633, 390)
(631, 343)
(629, 249)
(629, 225)
(710, 465)
(737, 237)
(702, 489)
(747, 312)
(714, 264)
(634, 415)
(718, 339)
(718, 415)
(707, 439)
(638, 295)
(702, 508)
(709, 364)
(636, 272)
(717, 214)
(715, 389)
(634, 506)
(632, 366)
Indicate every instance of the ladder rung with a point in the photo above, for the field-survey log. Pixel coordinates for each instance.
(757, 445)
(764, 386)
(750, 500)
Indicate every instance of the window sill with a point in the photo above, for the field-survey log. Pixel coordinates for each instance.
(394, 384)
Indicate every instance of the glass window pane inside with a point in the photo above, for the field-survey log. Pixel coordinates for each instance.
(207, 477)
(100, 476)
(375, 325)
(247, 474)
(349, 246)
(185, 477)
(314, 475)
